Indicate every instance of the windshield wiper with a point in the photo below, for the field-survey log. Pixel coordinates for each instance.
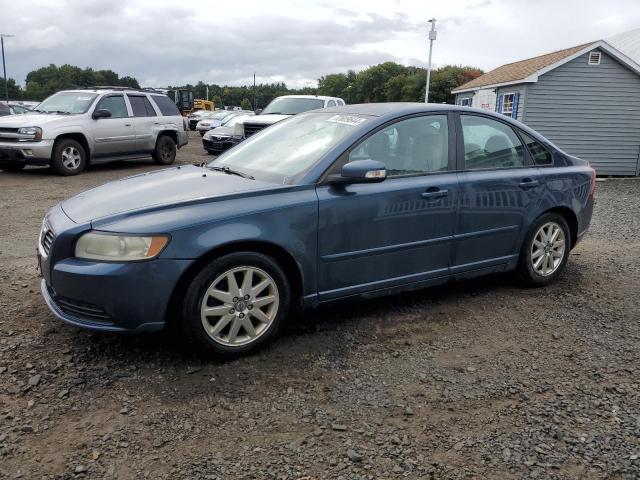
(229, 171)
(60, 111)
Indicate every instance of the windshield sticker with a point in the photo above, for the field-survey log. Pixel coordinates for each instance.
(352, 120)
(83, 98)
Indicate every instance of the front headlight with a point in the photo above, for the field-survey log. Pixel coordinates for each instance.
(238, 130)
(119, 248)
(35, 132)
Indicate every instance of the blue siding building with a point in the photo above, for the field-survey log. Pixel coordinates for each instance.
(585, 99)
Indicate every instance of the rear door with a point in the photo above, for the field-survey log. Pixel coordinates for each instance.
(399, 231)
(114, 135)
(145, 122)
(500, 188)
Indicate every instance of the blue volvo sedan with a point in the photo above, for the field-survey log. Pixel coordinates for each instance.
(353, 201)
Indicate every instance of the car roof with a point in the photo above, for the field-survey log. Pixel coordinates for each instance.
(318, 97)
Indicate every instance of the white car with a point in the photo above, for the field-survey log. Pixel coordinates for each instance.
(283, 107)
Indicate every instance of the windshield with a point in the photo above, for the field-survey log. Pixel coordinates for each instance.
(288, 149)
(292, 106)
(67, 102)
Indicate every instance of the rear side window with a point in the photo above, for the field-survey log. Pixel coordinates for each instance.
(540, 155)
(331, 103)
(490, 144)
(166, 106)
(114, 104)
(141, 106)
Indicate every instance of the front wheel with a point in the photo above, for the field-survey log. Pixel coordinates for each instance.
(236, 304)
(165, 151)
(545, 251)
(69, 157)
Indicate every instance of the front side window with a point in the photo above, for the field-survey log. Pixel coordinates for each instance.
(414, 146)
(490, 144)
(114, 104)
(540, 155)
(67, 102)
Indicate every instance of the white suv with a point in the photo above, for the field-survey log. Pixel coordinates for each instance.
(283, 107)
(75, 127)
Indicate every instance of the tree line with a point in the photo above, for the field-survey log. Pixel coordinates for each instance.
(386, 82)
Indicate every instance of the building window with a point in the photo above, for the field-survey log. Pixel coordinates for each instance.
(594, 58)
(507, 104)
(465, 102)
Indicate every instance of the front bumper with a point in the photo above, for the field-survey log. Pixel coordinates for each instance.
(219, 146)
(112, 297)
(26, 153)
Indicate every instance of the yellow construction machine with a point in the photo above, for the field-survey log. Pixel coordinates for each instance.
(187, 104)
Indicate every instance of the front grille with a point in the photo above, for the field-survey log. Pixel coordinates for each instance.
(8, 130)
(252, 128)
(80, 310)
(46, 237)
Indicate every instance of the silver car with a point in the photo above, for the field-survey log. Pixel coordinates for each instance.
(73, 128)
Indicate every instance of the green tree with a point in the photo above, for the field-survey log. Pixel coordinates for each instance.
(245, 104)
(446, 78)
(15, 92)
(217, 101)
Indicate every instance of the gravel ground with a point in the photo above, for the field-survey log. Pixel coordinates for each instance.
(481, 379)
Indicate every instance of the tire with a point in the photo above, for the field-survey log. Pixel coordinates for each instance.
(11, 167)
(543, 259)
(237, 325)
(68, 158)
(165, 151)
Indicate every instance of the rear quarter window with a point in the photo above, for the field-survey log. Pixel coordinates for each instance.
(166, 105)
(539, 153)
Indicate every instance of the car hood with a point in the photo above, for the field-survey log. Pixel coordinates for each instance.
(31, 120)
(220, 131)
(268, 119)
(154, 190)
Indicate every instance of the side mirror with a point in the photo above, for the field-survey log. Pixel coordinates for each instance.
(361, 171)
(101, 114)
(257, 111)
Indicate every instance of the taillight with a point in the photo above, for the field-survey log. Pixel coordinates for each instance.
(592, 193)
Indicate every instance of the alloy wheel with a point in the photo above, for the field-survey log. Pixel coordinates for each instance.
(548, 249)
(71, 158)
(239, 306)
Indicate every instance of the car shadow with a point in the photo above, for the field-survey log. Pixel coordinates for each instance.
(168, 347)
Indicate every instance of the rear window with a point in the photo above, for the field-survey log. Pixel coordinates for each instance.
(166, 105)
(141, 106)
(540, 155)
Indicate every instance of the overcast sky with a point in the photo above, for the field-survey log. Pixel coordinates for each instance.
(176, 42)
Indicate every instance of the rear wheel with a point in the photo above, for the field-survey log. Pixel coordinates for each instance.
(545, 251)
(69, 157)
(165, 151)
(236, 304)
(11, 167)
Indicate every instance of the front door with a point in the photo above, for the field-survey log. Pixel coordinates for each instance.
(499, 187)
(114, 135)
(379, 235)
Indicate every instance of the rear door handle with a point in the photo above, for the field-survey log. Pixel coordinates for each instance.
(435, 192)
(529, 183)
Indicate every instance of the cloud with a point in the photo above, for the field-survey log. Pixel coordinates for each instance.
(167, 43)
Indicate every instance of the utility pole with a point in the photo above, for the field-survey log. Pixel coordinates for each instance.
(432, 37)
(254, 91)
(4, 66)
(207, 93)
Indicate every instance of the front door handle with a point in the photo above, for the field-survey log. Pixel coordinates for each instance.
(127, 124)
(435, 192)
(529, 183)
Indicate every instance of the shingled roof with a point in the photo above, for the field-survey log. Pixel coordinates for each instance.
(512, 72)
